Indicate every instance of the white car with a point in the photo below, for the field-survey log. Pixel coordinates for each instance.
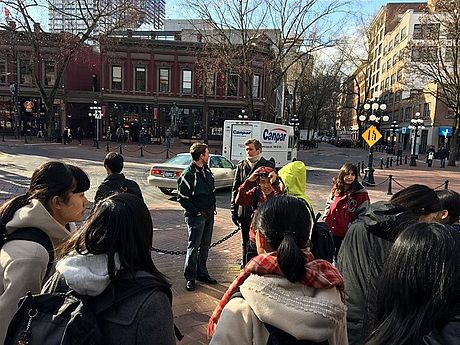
(165, 175)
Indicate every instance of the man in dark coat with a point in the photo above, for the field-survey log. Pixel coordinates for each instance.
(116, 181)
(242, 215)
(366, 246)
(443, 153)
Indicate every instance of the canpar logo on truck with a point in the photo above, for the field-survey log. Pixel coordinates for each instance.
(276, 134)
(241, 132)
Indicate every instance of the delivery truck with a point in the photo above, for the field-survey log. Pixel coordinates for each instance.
(277, 140)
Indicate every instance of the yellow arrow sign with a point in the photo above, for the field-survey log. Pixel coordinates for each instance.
(371, 135)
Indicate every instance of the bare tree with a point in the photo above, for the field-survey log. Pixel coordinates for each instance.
(96, 17)
(435, 61)
(293, 30)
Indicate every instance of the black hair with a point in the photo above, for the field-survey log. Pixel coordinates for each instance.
(49, 180)
(450, 201)
(338, 184)
(120, 224)
(286, 224)
(198, 149)
(420, 199)
(419, 286)
(114, 161)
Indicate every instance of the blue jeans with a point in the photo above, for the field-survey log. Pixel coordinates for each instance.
(199, 238)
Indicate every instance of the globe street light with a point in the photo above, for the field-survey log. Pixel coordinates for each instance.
(393, 128)
(372, 108)
(415, 123)
(243, 114)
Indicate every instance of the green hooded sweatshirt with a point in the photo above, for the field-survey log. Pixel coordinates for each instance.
(294, 176)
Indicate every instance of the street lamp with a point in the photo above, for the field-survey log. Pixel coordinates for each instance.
(96, 111)
(393, 128)
(243, 114)
(295, 123)
(415, 123)
(372, 108)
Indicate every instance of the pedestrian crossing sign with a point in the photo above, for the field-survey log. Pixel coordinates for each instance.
(371, 135)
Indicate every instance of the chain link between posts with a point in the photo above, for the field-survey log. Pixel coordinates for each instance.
(183, 252)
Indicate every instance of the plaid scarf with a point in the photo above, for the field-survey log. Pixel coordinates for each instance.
(320, 274)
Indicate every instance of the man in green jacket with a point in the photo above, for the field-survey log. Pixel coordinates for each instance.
(196, 195)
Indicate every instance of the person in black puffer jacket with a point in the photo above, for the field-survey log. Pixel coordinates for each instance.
(418, 293)
(366, 246)
(116, 182)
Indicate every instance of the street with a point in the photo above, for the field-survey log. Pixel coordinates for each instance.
(192, 309)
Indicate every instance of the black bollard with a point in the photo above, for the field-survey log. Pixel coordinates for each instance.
(97, 144)
(390, 182)
(359, 167)
(108, 148)
(362, 167)
(446, 184)
(397, 160)
(167, 153)
(121, 150)
(386, 165)
(381, 163)
(405, 159)
(391, 161)
(142, 151)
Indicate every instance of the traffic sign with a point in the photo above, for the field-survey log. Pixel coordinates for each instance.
(371, 135)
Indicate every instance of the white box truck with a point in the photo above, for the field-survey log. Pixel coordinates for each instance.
(277, 140)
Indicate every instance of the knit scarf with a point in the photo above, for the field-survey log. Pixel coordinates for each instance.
(320, 274)
(252, 161)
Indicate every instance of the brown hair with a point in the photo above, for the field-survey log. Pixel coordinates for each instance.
(257, 144)
(197, 149)
(338, 184)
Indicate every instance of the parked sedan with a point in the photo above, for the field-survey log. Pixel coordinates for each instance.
(165, 175)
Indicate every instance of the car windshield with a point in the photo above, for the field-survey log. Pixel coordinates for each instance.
(180, 160)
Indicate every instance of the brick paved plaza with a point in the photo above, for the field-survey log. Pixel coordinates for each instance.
(192, 309)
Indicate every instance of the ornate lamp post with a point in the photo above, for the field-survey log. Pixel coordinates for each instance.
(96, 111)
(415, 123)
(373, 108)
(295, 123)
(243, 114)
(393, 128)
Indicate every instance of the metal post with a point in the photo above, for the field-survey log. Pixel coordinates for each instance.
(413, 160)
(359, 167)
(97, 133)
(397, 160)
(405, 159)
(391, 161)
(381, 163)
(362, 167)
(446, 184)
(121, 151)
(390, 183)
(386, 165)
(142, 151)
(369, 180)
(108, 149)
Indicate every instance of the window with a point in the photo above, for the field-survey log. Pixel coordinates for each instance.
(211, 84)
(403, 33)
(417, 30)
(399, 75)
(232, 84)
(140, 79)
(391, 98)
(50, 73)
(426, 110)
(426, 31)
(2, 71)
(387, 83)
(395, 59)
(389, 64)
(164, 80)
(397, 96)
(407, 113)
(117, 79)
(393, 79)
(186, 81)
(384, 67)
(449, 55)
(25, 72)
(255, 86)
(425, 54)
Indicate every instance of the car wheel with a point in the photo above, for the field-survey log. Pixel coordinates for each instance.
(167, 191)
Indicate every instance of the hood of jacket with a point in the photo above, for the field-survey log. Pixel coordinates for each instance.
(86, 274)
(302, 311)
(36, 215)
(294, 176)
(386, 221)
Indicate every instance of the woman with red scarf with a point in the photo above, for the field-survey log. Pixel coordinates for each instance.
(283, 290)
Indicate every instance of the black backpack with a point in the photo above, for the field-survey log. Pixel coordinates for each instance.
(68, 318)
(280, 337)
(322, 242)
(34, 235)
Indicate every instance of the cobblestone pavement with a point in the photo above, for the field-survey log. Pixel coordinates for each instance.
(192, 309)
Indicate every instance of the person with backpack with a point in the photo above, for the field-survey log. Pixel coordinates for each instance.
(283, 295)
(116, 181)
(366, 246)
(106, 269)
(347, 201)
(418, 296)
(32, 225)
(294, 177)
(267, 185)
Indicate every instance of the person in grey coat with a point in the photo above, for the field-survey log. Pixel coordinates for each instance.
(112, 251)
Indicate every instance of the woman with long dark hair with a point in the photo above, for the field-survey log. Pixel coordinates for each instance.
(282, 292)
(112, 251)
(348, 200)
(41, 216)
(419, 289)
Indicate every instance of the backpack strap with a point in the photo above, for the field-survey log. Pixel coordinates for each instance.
(34, 235)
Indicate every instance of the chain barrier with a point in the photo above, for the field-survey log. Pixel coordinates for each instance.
(183, 252)
(377, 184)
(132, 150)
(441, 185)
(399, 184)
(155, 153)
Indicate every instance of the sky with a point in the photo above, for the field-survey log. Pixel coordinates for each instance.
(175, 9)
